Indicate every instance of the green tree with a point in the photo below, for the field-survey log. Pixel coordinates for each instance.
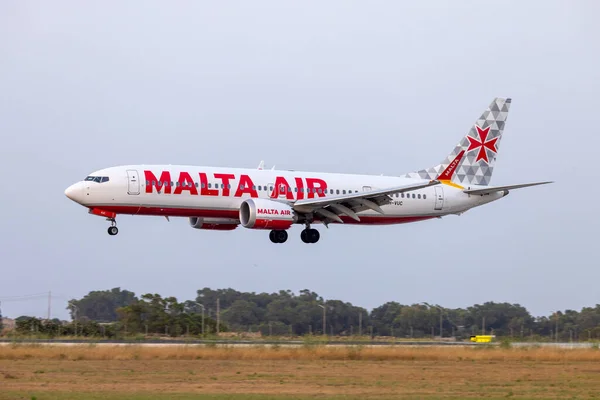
(417, 320)
(385, 317)
(241, 314)
(158, 315)
(102, 305)
(499, 317)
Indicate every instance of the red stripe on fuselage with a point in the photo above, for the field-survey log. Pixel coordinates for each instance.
(196, 212)
(171, 212)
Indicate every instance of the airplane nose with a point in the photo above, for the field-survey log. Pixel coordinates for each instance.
(75, 192)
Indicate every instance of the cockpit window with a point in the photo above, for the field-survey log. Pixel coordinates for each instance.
(98, 179)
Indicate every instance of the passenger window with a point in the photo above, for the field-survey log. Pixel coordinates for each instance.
(424, 196)
(209, 185)
(337, 191)
(343, 192)
(196, 184)
(319, 191)
(413, 195)
(203, 185)
(242, 187)
(402, 195)
(271, 188)
(419, 196)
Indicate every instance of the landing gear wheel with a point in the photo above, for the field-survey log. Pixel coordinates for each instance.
(278, 236)
(113, 230)
(304, 236)
(310, 235)
(313, 236)
(281, 236)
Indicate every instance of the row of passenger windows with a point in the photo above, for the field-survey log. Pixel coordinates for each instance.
(270, 188)
(414, 196)
(98, 179)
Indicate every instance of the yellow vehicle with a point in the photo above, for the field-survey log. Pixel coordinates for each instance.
(482, 338)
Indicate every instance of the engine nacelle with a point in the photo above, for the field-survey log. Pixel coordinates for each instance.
(266, 214)
(215, 224)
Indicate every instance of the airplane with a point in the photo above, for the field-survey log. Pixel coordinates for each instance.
(222, 199)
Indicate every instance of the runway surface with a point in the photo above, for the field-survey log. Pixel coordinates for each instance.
(242, 343)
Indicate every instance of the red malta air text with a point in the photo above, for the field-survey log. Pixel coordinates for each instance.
(311, 187)
(273, 211)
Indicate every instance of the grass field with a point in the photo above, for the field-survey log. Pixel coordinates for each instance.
(260, 373)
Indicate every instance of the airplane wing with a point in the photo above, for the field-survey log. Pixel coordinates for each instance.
(350, 204)
(493, 189)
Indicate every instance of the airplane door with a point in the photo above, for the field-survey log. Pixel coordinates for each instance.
(439, 198)
(283, 191)
(133, 182)
(270, 189)
(366, 188)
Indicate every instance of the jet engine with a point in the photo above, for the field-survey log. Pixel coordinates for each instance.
(266, 214)
(215, 224)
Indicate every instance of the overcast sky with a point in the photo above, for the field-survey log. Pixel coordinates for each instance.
(378, 87)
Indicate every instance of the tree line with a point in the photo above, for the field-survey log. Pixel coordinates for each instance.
(119, 312)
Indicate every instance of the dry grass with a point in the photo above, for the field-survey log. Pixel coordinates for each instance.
(308, 353)
(136, 372)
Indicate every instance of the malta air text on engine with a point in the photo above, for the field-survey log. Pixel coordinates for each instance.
(230, 184)
(273, 211)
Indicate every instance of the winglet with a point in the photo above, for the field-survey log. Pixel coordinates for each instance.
(261, 165)
(447, 174)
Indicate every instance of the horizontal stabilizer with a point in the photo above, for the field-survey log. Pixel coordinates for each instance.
(494, 189)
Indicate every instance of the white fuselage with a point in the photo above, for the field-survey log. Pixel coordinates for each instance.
(211, 192)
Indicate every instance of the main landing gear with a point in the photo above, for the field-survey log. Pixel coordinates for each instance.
(112, 229)
(278, 236)
(309, 235)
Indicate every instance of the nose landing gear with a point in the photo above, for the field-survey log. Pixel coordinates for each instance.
(112, 229)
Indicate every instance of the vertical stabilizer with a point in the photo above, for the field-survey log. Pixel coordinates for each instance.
(480, 145)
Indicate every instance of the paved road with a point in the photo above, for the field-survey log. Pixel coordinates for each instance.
(291, 343)
(230, 343)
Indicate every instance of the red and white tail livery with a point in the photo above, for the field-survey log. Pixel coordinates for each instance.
(215, 198)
